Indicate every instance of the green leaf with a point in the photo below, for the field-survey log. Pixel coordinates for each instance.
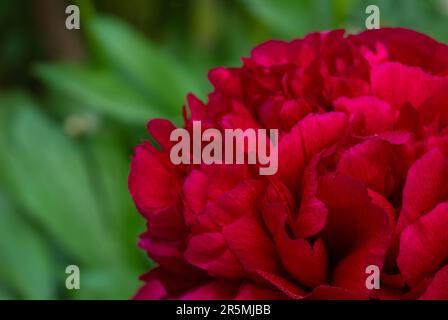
(154, 72)
(291, 18)
(46, 173)
(5, 295)
(110, 160)
(27, 266)
(106, 283)
(99, 90)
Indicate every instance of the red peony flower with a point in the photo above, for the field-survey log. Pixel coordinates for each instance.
(362, 177)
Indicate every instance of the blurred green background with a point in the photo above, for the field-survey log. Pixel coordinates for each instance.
(74, 103)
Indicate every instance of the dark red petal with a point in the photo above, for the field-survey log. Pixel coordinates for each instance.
(382, 202)
(195, 192)
(271, 53)
(438, 142)
(196, 108)
(305, 262)
(424, 188)
(438, 289)
(160, 130)
(423, 245)
(408, 47)
(249, 291)
(239, 118)
(251, 245)
(399, 84)
(215, 183)
(312, 214)
(160, 284)
(357, 233)
(167, 224)
(307, 138)
(216, 290)
(334, 293)
(210, 252)
(362, 163)
(368, 115)
(151, 290)
(227, 81)
(153, 183)
(242, 200)
(168, 254)
(288, 288)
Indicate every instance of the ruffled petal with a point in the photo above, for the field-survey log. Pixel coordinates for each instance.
(357, 233)
(438, 288)
(423, 245)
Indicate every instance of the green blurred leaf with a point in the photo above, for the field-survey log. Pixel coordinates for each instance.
(5, 295)
(292, 18)
(46, 173)
(107, 283)
(110, 161)
(154, 72)
(100, 90)
(27, 265)
(342, 9)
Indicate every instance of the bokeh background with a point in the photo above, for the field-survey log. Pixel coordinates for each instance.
(74, 103)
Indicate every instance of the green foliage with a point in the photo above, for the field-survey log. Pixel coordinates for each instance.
(151, 70)
(99, 91)
(62, 186)
(67, 135)
(29, 268)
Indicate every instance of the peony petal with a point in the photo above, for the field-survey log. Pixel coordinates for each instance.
(438, 289)
(195, 192)
(368, 115)
(210, 183)
(334, 293)
(160, 284)
(227, 81)
(239, 118)
(288, 288)
(312, 213)
(394, 137)
(424, 187)
(215, 290)
(381, 202)
(152, 181)
(209, 251)
(249, 291)
(274, 52)
(357, 233)
(167, 254)
(167, 224)
(438, 142)
(251, 245)
(197, 109)
(151, 290)
(307, 138)
(242, 200)
(408, 47)
(306, 263)
(408, 119)
(399, 84)
(423, 246)
(434, 109)
(160, 130)
(361, 162)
